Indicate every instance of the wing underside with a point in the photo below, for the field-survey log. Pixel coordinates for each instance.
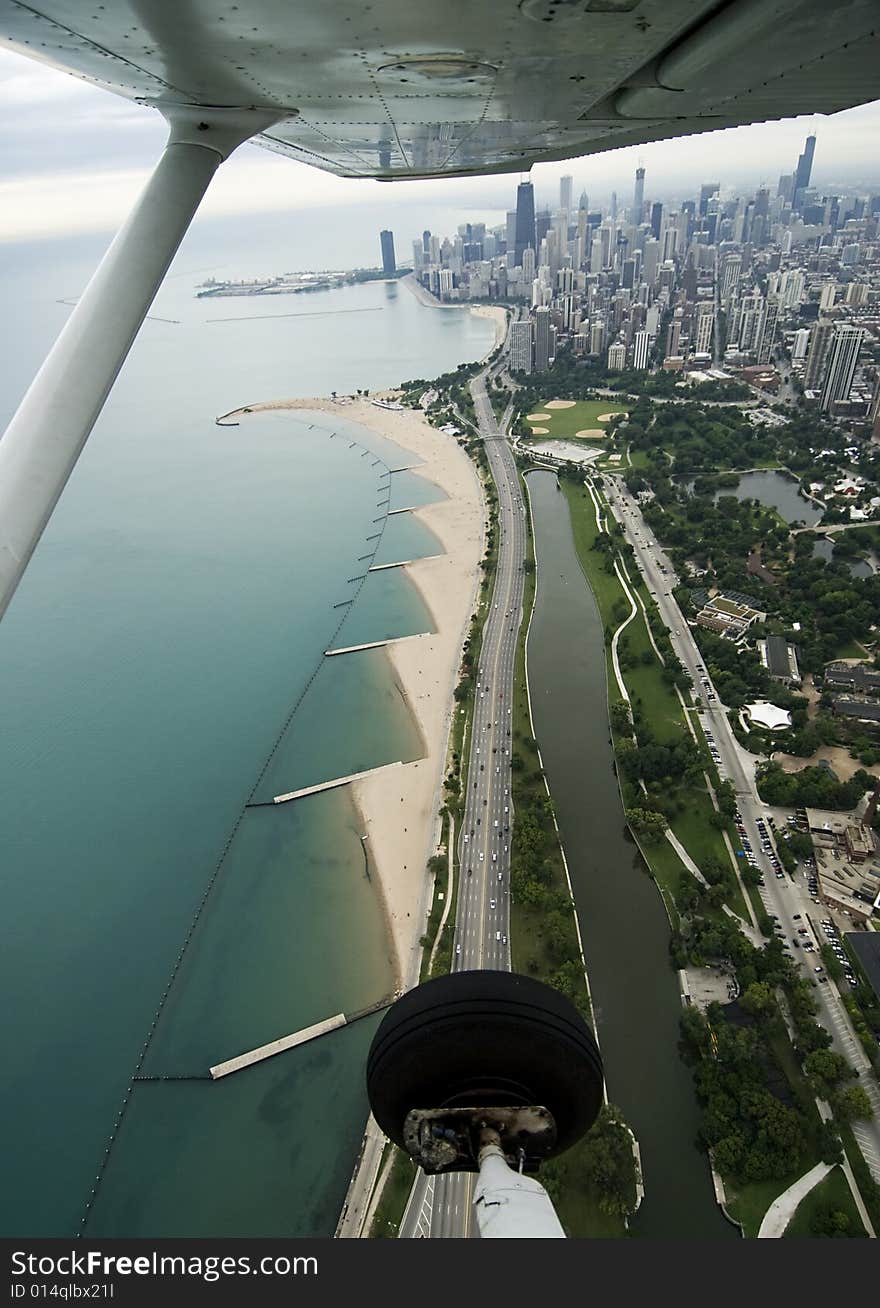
(397, 89)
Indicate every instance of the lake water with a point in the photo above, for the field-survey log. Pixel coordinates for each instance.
(173, 617)
(777, 490)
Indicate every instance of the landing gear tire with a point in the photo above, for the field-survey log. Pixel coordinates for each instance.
(485, 1038)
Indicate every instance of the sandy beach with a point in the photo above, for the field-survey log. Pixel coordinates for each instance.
(400, 806)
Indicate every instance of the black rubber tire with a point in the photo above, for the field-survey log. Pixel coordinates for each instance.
(492, 1038)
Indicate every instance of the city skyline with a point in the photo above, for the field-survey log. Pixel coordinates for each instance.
(75, 158)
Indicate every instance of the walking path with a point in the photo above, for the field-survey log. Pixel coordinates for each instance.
(784, 1206)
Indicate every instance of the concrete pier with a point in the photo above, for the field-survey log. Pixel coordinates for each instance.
(289, 1042)
(411, 509)
(276, 1047)
(375, 644)
(332, 785)
(404, 563)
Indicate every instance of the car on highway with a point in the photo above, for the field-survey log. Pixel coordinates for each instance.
(491, 903)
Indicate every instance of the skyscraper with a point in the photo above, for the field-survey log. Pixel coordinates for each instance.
(656, 219)
(768, 331)
(804, 169)
(820, 342)
(525, 221)
(521, 346)
(638, 196)
(565, 184)
(389, 265)
(542, 339)
(707, 189)
(841, 365)
(640, 350)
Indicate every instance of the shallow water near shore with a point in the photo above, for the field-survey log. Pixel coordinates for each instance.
(176, 610)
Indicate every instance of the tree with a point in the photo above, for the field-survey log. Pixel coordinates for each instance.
(647, 824)
(758, 999)
(826, 1069)
(852, 1103)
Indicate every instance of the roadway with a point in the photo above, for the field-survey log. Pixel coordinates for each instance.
(786, 898)
(441, 1207)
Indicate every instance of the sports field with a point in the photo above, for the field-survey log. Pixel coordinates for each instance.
(579, 418)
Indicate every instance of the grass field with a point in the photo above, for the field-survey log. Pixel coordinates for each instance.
(833, 1191)
(583, 416)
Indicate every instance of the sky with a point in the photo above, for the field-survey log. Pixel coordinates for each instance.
(74, 158)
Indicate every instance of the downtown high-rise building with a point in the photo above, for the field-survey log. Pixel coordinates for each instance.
(525, 221)
(565, 185)
(817, 355)
(389, 264)
(640, 350)
(520, 341)
(804, 170)
(707, 190)
(638, 197)
(768, 329)
(703, 330)
(841, 369)
(616, 357)
(542, 339)
(731, 268)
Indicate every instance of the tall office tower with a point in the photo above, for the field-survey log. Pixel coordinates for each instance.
(731, 268)
(650, 260)
(418, 255)
(689, 279)
(841, 368)
(426, 241)
(768, 332)
(628, 274)
(670, 243)
(706, 190)
(827, 297)
(791, 287)
(849, 255)
(445, 283)
(785, 187)
(614, 206)
(565, 281)
(803, 170)
(543, 223)
(666, 276)
(582, 236)
(542, 339)
(786, 242)
(583, 202)
(568, 311)
(857, 293)
(520, 341)
(704, 328)
(565, 194)
(673, 336)
(528, 264)
(510, 227)
(389, 264)
(640, 350)
(525, 221)
(656, 220)
(800, 343)
(817, 356)
(597, 338)
(616, 357)
(760, 218)
(596, 257)
(639, 196)
(435, 249)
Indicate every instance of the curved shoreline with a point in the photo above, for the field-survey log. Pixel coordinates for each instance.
(399, 807)
(496, 313)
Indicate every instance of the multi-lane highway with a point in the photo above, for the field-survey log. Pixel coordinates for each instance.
(442, 1208)
(785, 898)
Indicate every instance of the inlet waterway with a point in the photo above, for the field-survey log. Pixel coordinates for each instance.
(624, 925)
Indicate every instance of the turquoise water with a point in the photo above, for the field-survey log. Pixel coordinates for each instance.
(174, 614)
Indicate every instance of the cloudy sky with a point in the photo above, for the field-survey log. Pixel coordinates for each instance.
(73, 158)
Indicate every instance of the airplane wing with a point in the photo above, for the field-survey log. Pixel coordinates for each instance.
(396, 89)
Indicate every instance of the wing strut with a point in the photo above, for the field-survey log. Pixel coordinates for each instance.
(53, 421)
